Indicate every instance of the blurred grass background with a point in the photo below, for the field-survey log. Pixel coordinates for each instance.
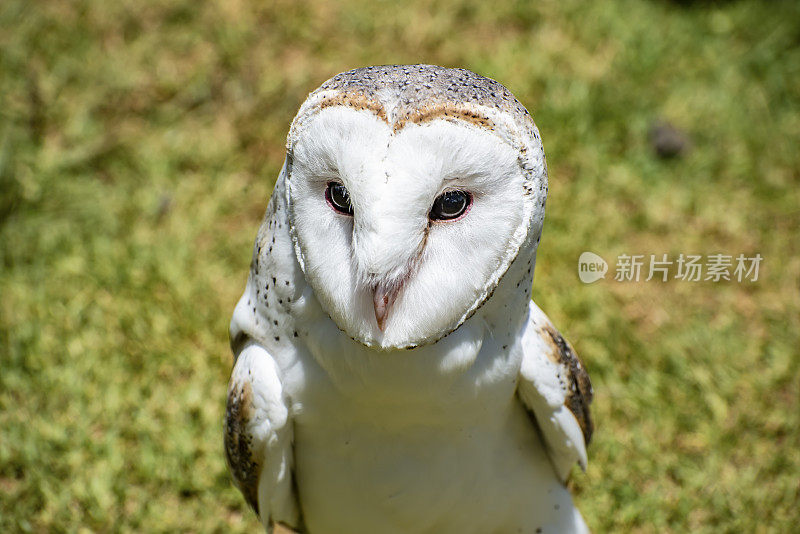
(139, 143)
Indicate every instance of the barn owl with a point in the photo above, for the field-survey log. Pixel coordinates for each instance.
(392, 374)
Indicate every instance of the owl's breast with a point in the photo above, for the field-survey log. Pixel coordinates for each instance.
(485, 473)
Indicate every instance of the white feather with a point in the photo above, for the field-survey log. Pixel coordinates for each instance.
(543, 390)
(269, 431)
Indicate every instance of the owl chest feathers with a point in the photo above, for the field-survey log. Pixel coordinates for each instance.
(429, 436)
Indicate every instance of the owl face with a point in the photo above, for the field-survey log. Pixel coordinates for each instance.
(404, 233)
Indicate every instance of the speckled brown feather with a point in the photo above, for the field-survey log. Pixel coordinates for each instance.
(244, 466)
(580, 393)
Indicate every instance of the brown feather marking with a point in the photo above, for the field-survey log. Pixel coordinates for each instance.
(445, 111)
(245, 468)
(580, 392)
(357, 100)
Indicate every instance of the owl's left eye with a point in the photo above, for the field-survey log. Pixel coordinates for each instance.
(450, 205)
(337, 196)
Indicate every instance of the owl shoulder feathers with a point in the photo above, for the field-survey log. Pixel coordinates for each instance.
(258, 438)
(555, 389)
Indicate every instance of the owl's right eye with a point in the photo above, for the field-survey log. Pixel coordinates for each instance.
(337, 196)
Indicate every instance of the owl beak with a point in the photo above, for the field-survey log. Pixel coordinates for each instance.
(383, 298)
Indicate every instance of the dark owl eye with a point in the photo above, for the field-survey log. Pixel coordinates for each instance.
(450, 205)
(337, 196)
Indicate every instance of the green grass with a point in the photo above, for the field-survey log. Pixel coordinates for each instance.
(139, 143)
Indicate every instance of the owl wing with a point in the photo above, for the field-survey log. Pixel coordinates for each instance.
(258, 437)
(555, 389)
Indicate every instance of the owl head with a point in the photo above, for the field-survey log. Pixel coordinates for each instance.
(411, 190)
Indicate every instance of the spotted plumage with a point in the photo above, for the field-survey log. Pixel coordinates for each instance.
(244, 464)
(391, 372)
(579, 387)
